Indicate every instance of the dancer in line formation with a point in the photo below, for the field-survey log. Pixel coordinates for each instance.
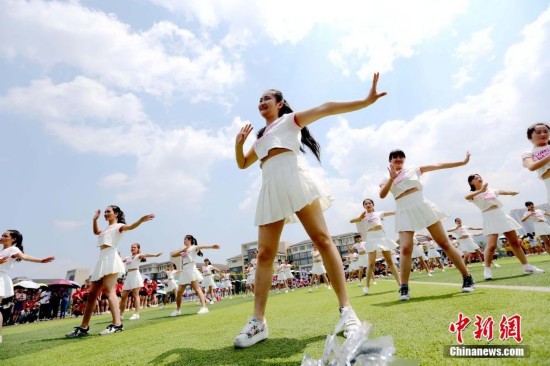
(466, 243)
(189, 274)
(413, 212)
(369, 225)
(540, 223)
(171, 284)
(318, 270)
(108, 268)
(12, 251)
(290, 193)
(133, 281)
(208, 283)
(496, 222)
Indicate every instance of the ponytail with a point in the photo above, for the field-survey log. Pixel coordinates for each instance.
(18, 240)
(120, 214)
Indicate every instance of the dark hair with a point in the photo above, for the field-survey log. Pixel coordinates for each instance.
(529, 203)
(18, 240)
(458, 218)
(531, 129)
(194, 242)
(207, 260)
(471, 177)
(368, 199)
(120, 215)
(356, 236)
(307, 138)
(397, 153)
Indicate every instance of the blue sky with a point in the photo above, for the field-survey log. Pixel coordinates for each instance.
(137, 103)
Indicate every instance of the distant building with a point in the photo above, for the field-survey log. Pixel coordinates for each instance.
(79, 275)
(235, 264)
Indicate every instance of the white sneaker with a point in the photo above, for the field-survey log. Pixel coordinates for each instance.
(530, 269)
(309, 290)
(329, 287)
(430, 274)
(496, 265)
(253, 332)
(374, 283)
(0, 339)
(211, 302)
(286, 291)
(135, 316)
(352, 322)
(111, 329)
(487, 274)
(176, 313)
(203, 310)
(365, 290)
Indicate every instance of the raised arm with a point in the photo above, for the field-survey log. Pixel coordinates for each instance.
(145, 255)
(213, 246)
(138, 222)
(526, 215)
(359, 218)
(95, 226)
(30, 258)
(470, 196)
(532, 165)
(453, 229)
(244, 161)
(389, 213)
(429, 168)
(385, 187)
(507, 193)
(308, 116)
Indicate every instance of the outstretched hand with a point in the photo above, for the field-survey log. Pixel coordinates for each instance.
(216, 246)
(373, 94)
(393, 173)
(47, 260)
(147, 217)
(467, 158)
(243, 134)
(96, 215)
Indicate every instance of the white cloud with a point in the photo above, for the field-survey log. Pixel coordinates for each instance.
(478, 48)
(161, 61)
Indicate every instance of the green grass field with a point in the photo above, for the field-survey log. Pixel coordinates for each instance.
(299, 322)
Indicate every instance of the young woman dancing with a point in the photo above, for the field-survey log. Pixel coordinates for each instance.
(171, 284)
(540, 223)
(108, 268)
(495, 222)
(467, 244)
(134, 280)
(538, 159)
(208, 283)
(189, 274)
(413, 212)
(12, 252)
(369, 224)
(291, 193)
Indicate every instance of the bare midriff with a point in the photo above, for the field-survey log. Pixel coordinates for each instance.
(104, 246)
(546, 174)
(273, 152)
(407, 192)
(375, 228)
(490, 208)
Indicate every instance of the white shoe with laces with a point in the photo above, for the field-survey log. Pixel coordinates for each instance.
(176, 313)
(253, 332)
(487, 274)
(203, 310)
(351, 322)
(530, 269)
(134, 316)
(111, 329)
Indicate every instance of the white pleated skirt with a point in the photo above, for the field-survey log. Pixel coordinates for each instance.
(6, 285)
(433, 253)
(377, 239)
(109, 262)
(250, 280)
(353, 266)
(363, 260)
(171, 285)
(413, 212)
(133, 280)
(188, 274)
(418, 252)
(281, 277)
(541, 228)
(227, 284)
(287, 187)
(547, 184)
(208, 280)
(468, 245)
(288, 274)
(318, 268)
(497, 222)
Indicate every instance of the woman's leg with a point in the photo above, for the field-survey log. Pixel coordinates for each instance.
(370, 269)
(179, 296)
(405, 259)
(123, 301)
(389, 264)
(268, 242)
(490, 249)
(196, 287)
(135, 292)
(313, 221)
(438, 234)
(95, 288)
(109, 283)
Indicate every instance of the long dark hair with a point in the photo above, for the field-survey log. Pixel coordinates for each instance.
(470, 179)
(194, 242)
(120, 215)
(307, 138)
(18, 241)
(397, 153)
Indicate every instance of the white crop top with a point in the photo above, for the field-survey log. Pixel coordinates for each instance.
(207, 270)
(251, 272)
(282, 133)
(132, 262)
(487, 199)
(538, 153)
(406, 179)
(316, 256)
(8, 252)
(359, 247)
(461, 231)
(189, 255)
(110, 236)
(540, 216)
(171, 275)
(373, 219)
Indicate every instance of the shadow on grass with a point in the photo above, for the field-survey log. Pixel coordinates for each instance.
(262, 353)
(423, 298)
(373, 294)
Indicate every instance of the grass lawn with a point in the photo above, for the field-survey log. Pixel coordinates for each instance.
(299, 322)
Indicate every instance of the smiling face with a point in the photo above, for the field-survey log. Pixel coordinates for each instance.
(539, 134)
(458, 222)
(109, 214)
(7, 239)
(397, 159)
(368, 205)
(475, 181)
(268, 106)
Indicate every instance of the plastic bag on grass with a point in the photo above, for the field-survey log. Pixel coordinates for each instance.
(357, 349)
